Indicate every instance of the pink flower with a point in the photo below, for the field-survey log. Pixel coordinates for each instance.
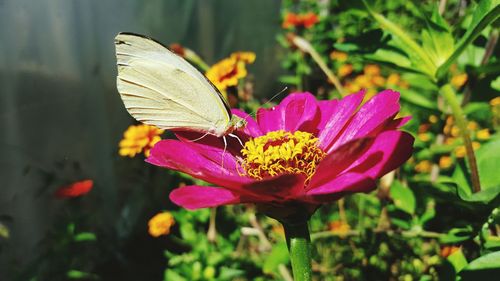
(296, 156)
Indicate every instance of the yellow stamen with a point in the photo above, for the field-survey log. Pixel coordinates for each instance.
(281, 152)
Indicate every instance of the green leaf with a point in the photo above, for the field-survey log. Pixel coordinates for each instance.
(403, 197)
(4, 231)
(77, 274)
(487, 174)
(458, 260)
(290, 79)
(437, 40)
(488, 157)
(171, 275)
(495, 84)
(418, 99)
(279, 255)
(430, 213)
(457, 235)
(485, 13)
(85, 236)
(482, 268)
(227, 273)
(415, 52)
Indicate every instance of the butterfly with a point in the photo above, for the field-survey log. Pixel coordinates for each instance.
(162, 89)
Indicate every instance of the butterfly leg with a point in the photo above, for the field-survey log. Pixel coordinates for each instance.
(236, 137)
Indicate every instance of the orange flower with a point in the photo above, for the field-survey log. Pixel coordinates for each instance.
(445, 162)
(446, 251)
(372, 69)
(75, 189)
(226, 73)
(460, 151)
(459, 80)
(139, 138)
(423, 166)
(177, 49)
(339, 227)
(338, 56)
(393, 79)
(246, 57)
(300, 20)
(345, 70)
(160, 224)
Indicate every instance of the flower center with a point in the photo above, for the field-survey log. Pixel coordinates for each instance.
(281, 152)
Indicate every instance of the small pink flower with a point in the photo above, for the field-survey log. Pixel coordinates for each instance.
(296, 156)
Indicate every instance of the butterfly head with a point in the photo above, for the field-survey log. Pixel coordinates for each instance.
(236, 123)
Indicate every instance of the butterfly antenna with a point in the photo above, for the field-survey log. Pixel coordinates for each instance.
(270, 100)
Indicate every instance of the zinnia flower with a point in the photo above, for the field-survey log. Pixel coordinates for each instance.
(227, 72)
(296, 156)
(138, 138)
(160, 224)
(75, 189)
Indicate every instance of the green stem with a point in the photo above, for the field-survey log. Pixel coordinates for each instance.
(299, 246)
(452, 99)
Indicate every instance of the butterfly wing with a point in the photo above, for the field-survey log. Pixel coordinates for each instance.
(162, 89)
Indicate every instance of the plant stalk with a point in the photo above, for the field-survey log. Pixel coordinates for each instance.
(299, 247)
(452, 99)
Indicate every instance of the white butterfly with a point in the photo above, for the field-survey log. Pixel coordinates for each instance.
(162, 89)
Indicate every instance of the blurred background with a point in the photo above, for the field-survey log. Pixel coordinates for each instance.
(61, 115)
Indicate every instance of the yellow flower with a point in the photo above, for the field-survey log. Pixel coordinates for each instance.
(460, 151)
(472, 126)
(459, 80)
(345, 70)
(393, 79)
(445, 162)
(160, 224)
(449, 140)
(138, 138)
(483, 134)
(372, 69)
(351, 87)
(226, 73)
(404, 85)
(455, 131)
(378, 80)
(246, 57)
(425, 137)
(339, 227)
(433, 119)
(495, 101)
(423, 166)
(338, 56)
(363, 81)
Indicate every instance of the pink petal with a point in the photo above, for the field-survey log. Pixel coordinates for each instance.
(195, 197)
(200, 161)
(389, 150)
(297, 111)
(339, 160)
(371, 115)
(340, 116)
(205, 163)
(340, 186)
(397, 123)
(327, 108)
